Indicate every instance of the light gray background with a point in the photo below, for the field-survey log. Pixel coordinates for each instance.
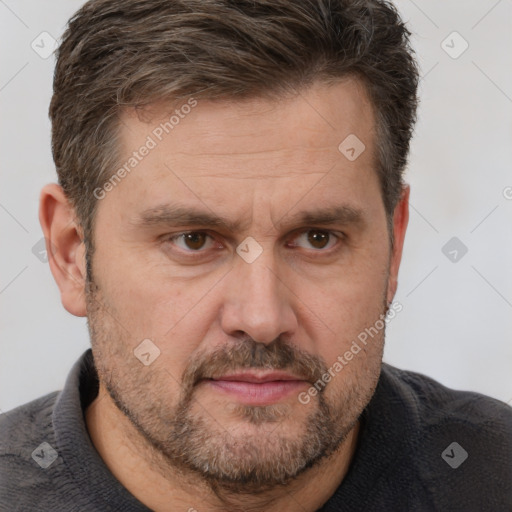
(457, 316)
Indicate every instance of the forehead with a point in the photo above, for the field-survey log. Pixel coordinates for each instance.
(209, 151)
(311, 119)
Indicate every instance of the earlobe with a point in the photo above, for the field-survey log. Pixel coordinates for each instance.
(400, 221)
(66, 250)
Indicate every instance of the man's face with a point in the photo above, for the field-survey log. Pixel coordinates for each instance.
(244, 333)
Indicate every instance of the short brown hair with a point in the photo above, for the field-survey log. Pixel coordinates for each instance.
(133, 52)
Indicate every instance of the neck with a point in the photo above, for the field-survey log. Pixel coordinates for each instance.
(146, 474)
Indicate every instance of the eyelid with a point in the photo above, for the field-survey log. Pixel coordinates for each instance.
(299, 232)
(174, 236)
(338, 235)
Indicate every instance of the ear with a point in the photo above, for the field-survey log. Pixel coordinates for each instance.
(65, 247)
(400, 221)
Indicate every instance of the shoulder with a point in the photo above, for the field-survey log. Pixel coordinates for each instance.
(26, 422)
(460, 442)
(433, 402)
(27, 444)
(22, 426)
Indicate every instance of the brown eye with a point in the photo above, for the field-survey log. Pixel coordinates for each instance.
(318, 239)
(194, 241)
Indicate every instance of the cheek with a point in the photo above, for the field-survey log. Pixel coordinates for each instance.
(149, 300)
(353, 348)
(351, 300)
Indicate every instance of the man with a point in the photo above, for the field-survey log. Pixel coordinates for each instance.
(230, 217)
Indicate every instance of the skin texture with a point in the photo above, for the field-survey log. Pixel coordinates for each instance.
(173, 438)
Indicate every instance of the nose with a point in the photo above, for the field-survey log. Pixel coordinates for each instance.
(258, 302)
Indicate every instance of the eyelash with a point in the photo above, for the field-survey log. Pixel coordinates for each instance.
(201, 252)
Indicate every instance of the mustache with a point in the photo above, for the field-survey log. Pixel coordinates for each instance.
(245, 354)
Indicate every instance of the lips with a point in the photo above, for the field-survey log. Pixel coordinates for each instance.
(257, 377)
(257, 388)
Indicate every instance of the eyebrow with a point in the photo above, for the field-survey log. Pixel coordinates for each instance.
(175, 215)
